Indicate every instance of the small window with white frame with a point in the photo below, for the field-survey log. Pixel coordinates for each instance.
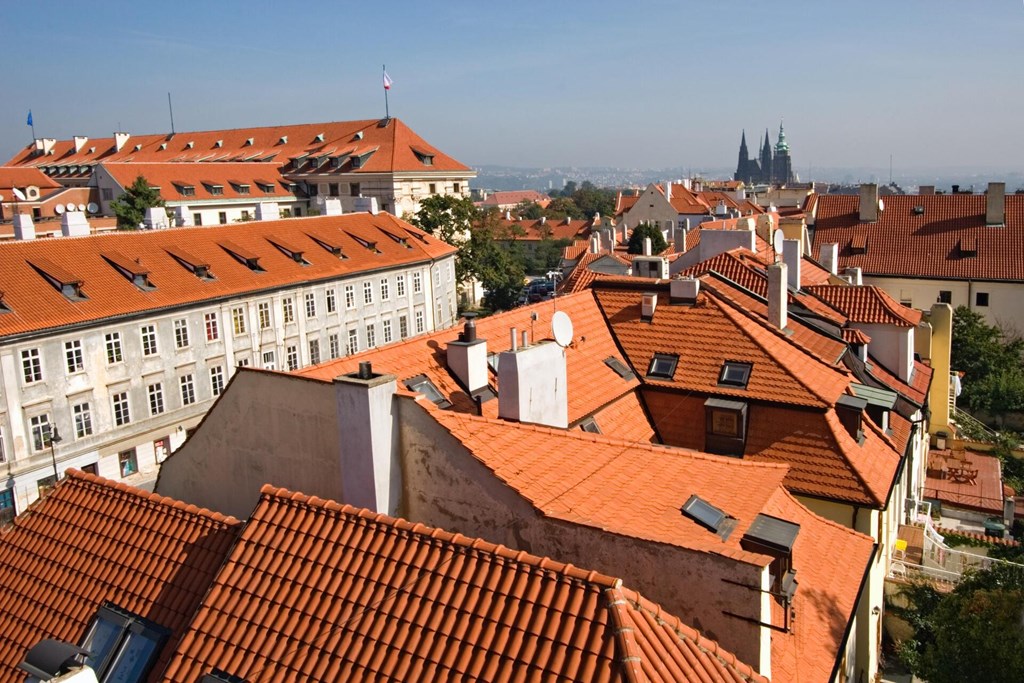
(212, 326)
(149, 345)
(310, 299)
(332, 304)
(113, 344)
(73, 356)
(350, 296)
(385, 289)
(31, 366)
(188, 390)
(417, 282)
(217, 380)
(155, 392)
(333, 345)
(122, 412)
(288, 309)
(400, 285)
(353, 342)
(39, 427)
(181, 340)
(83, 419)
(238, 320)
(367, 292)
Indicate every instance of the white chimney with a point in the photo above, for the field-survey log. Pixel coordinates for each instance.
(855, 275)
(684, 290)
(332, 206)
(648, 304)
(868, 202)
(829, 256)
(467, 357)
(595, 244)
(47, 145)
(792, 255)
(647, 246)
(80, 141)
(668, 190)
(120, 140)
(370, 473)
(508, 215)
(24, 228)
(156, 218)
(268, 211)
(721, 209)
(543, 220)
(532, 385)
(778, 295)
(183, 217)
(361, 204)
(74, 224)
(995, 204)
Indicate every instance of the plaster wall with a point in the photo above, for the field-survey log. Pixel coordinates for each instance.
(1005, 301)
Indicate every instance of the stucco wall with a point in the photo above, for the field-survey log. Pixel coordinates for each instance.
(1005, 300)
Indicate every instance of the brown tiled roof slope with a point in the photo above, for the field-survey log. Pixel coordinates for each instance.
(20, 177)
(531, 230)
(867, 304)
(319, 591)
(168, 177)
(515, 197)
(92, 540)
(37, 305)
(927, 245)
(396, 147)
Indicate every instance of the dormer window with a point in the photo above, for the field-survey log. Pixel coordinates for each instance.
(319, 137)
(421, 384)
(859, 244)
(60, 279)
(663, 366)
(726, 426)
(218, 676)
(122, 646)
(590, 425)
(4, 308)
(426, 158)
(240, 188)
(196, 266)
(372, 246)
(969, 246)
(330, 245)
(215, 189)
(734, 374)
(400, 240)
(289, 250)
(850, 411)
(249, 142)
(131, 270)
(247, 258)
(775, 537)
(185, 189)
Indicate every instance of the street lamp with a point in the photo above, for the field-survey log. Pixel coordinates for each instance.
(55, 438)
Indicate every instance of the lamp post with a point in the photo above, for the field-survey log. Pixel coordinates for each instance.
(55, 438)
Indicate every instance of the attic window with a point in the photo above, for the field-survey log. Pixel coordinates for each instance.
(240, 188)
(968, 246)
(372, 246)
(138, 148)
(775, 537)
(734, 374)
(422, 385)
(400, 240)
(4, 308)
(196, 266)
(289, 250)
(131, 270)
(663, 366)
(249, 142)
(590, 425)
(190, 144)
(425, 158)
(123, 646)
(329, 245)
(619, 367)
(266, 187)
(726, 426)
(283, 140)
(219, 143)
(850, 410)
(319, 137)
(707, 515)
(61, 280)
(215, 189)
(917, 210)
(243, 256)
(859, 244)
(493, 360)
(185, 190)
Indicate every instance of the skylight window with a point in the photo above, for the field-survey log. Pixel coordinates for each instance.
(663, 366)
(590, 425)
(707, 515)
(734, 374)
(123, 646)
(60, 279)
(619, 367)
(421, 384)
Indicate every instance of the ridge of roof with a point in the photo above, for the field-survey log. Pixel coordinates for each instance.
(866, 304)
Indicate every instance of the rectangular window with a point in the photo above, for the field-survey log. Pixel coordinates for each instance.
(456, 188)
(353, 342)
(108, 194)
(314, 351)
(129, 463)
(419, 322)
(437, 277)
(333, 346)
(197, 219)
(367, 292)
(350, 296)
(3, 453)
(386, 331)
(216, 380)
(417, 282)
(310, 305)
(156, 398)
(945, 296)
(122, 414)
(188, 390)
(83, 419)
(332, 305)
(371, 335)
(242, 362)
(437, 319)
(113, 340)
(238, 320)
(73, 356)
(268, 361)
(449, 268)
(31, 366)
(403, 326)
(432, 188)
(212, 328)
(181, 333)
(149, 340)
(263, 309)
(292, 357)
(222, 217)
(385, 289)
(981, 299)
(288, 310)
(40, 428)
(400, 285)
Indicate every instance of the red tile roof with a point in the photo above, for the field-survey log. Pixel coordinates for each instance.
(92, 540)
(685, 201)
(173, 178)
(515, 197)
(902, 243)
(916, 390)
(319, 591)
(19, 177)
(625, 418)
(624, 202)
(867, 304)
(36, 305)
(581, 276)
(528, 229)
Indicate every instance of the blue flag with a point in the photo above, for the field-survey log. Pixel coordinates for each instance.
(28, 122)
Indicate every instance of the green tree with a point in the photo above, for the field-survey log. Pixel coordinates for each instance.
(563, 207)
(636, 239)
(449, 218)
(591, 199)
(498, 265)
(130, 208)
(993, 371)
(528, 210)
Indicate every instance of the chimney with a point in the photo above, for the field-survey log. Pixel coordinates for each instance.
(668, 191)
(855, 275)
(995, 204)
(647, 246)
(684, 290)
(568, 221)
(793, 257)
(595, 244)
(268, 211)
(508, 215)
(80, 141)
(74, 224)
(956, 189)
(532, 385)
(926, 190)
(183, 217)
(24, 229)
(370, 473)
(120, 140)
(648, 304)
(868, 202)
(332, 206)
(543, 220)
(850, 411)
(721, 209)
(829, 256)
(47, 145)
(467, 357)
(156, 218)
(778, 296)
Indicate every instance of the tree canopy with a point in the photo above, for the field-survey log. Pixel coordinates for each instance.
(636, 239)
(130, 208)
(991, 361)
(449, 218)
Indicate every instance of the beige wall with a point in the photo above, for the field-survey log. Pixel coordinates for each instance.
(1005, 299)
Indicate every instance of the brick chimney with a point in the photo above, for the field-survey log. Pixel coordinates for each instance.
(995, 204)
(868, 202)
(778, 295)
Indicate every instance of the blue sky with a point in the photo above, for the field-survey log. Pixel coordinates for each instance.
(640, 84)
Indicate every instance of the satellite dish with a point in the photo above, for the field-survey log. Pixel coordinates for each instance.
(59, 209)
(777, 239)
(92, 208)
(881, 205)
(561, 328)
(81, 207)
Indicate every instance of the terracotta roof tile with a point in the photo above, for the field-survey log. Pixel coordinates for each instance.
(515, 197)
(92, 540)
(174, 178)
(527, 229)
(916, 390)
(319, 591)
(867, 304)
(19, 177)
(625, 418)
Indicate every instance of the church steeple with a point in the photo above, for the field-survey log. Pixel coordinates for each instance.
(743, 145)
(781, 145)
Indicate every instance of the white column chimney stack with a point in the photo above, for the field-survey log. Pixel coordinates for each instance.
(647, 246)
(120, 140)
(856, 276)
(868, 202)
(183, 217)
(268, 211)
(74, 224)
(467, 357)
(532, 385)
(792, 255)
(668, 190)
(80, 141)
(332, 206)
(829, 257)
(156, 218)
(24, 228)
(778, 295)
(995, 204)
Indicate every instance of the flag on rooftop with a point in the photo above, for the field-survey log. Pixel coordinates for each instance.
(387, 82)
(28, 121)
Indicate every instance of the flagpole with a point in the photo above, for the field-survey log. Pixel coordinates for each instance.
(387, 112)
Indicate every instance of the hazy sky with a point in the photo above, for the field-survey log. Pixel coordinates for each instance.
(556, 83)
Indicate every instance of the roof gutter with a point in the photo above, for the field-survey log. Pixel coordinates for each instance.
(849, 623)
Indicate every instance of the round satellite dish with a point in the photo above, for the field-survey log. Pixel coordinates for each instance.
(92, 208)
(81, 207)
(881, 205)
(777, 239)
(59, 209)
(561, 328)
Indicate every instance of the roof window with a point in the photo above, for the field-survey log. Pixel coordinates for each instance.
(215, 189)
(859, 244)
(372, 246)
(619, 367)
(289, 250)
(219, 143)
(190, 144)
(61, 280)
(590, 425)
(917, 210)
(968, 245)
(131, 270)
(663, 366)
(195, 265)
(734, 374)
(707, 515)
(421, 384)
(330, 245)
(265, 186)
(122, 646)
(850, 411)
(247, 258)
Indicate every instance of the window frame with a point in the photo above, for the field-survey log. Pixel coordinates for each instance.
(217, 380)
(122, 411)
(81, 415)
(150, 346)
(663, 366)
(400, 285)
(310, 302)
(155, 397)
(287, 310)
(181, 336)
(332, 302)
(263, 315)
(238, 320)
(74, 358)
(211, 323)
(417, 282)
(40, 428)
(367, 292)
(350, 296)
(735, 374)
(31, 365)
(112, 344)
(187, 389)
